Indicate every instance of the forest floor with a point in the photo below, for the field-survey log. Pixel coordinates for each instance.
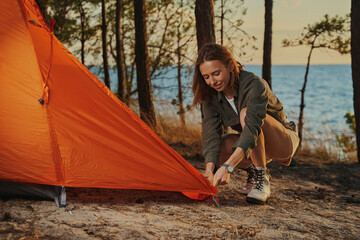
(314, 199)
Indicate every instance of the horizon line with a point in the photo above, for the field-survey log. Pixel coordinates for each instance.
(315, 64)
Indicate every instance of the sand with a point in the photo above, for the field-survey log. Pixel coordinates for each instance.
(311, 200)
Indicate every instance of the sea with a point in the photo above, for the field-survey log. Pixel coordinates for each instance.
(328, 94)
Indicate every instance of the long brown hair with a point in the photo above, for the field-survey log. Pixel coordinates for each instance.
(203, 92)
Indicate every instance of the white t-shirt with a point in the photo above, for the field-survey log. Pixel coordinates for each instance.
(232, 104)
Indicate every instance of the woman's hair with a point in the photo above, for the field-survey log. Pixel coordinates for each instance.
(203, 92)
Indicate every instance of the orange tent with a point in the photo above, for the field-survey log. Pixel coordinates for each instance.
(78, 134)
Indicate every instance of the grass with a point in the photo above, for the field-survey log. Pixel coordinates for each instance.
(187, 141)
(322, 144)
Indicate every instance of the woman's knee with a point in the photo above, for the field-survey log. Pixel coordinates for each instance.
(227, 142)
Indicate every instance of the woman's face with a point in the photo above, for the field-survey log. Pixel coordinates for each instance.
(215, 74)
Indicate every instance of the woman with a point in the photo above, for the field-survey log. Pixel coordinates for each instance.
(230, 96)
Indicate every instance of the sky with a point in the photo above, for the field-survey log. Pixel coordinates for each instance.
(289, 19)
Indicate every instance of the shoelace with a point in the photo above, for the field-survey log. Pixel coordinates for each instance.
(251, 174)
(259, 179)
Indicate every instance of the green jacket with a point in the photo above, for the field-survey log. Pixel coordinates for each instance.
(254, 93)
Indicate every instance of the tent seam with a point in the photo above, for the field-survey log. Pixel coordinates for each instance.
(53, 138)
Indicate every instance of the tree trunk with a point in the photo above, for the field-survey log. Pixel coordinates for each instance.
(266, 68)
(119, 53)
(129, 83)
(179, 66)
(147, 113)
(128, 75)
(204, 14)
(104, 45)
(180, 93)
(82, 20)
(302, 104)
(355, 64)
(222, 23)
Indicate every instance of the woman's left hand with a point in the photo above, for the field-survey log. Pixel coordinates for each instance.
(221, 177)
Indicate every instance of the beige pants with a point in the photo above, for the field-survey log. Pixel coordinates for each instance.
(284, 156)
(280, 143)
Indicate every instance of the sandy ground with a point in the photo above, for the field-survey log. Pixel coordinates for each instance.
(311, 200)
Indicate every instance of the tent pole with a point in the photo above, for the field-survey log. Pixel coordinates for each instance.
(60, 196)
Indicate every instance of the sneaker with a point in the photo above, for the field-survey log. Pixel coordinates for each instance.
(260, 192)
(250, 180)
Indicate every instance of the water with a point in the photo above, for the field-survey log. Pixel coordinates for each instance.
(328, 95)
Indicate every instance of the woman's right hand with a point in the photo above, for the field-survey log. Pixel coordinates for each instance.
(209, 171)
(209, 176)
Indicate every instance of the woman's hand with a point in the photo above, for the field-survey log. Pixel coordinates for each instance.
(209, 176)
(222, 177)
(209, 169)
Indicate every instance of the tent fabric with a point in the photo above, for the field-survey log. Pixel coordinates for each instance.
(83, 135)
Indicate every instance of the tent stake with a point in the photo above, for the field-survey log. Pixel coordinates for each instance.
(215, 201)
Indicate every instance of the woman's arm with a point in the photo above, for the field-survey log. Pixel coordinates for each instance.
(211, 133)
(257, 101)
